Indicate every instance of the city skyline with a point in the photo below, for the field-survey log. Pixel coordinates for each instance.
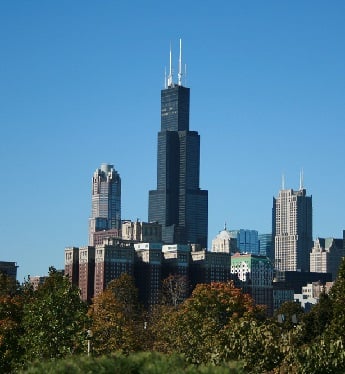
(80, 86)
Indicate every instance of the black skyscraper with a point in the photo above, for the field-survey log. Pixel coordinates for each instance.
(178, 203)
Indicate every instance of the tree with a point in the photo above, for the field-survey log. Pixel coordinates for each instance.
(289, 314)
(174, 290)
(337, 297)
(12, 300)
(54, 321)
(116, 318)
(318, 319)
(196, 326)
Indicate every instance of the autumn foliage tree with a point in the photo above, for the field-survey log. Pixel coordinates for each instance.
(117, 324)
(12, 300)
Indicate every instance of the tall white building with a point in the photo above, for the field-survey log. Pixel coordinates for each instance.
(292, 229)
(106, 201)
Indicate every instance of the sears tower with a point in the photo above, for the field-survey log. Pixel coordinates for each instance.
(178, 203)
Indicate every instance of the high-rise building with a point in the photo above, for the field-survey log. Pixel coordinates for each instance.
(326, 256)
(246, 240)
(106, 201)
(9, 268)
(148, 272)
(178, 203)
(111, 260)
(72, 264)
(292, 229)
(86, 272)
(265, 245)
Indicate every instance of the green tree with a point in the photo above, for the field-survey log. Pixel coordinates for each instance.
(116, 318)
(54, 321)
(289, 314)
(337, 297)
(196, 326)
(318, 319)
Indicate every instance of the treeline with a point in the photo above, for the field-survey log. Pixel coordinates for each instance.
(217, 325)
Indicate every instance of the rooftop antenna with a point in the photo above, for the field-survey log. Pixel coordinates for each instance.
(170, 76)
(225, 225)
(301, 180)
(180, 65)
(283, 182)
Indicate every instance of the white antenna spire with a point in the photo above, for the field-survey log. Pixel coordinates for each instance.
(170, 76)
(180, 65)
(283, 182)
(301, 180)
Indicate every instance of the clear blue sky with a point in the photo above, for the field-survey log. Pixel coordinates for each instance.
(80, 85)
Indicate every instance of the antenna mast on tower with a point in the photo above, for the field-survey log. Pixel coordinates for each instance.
(170, 76)
(301, 177)
(180, 65)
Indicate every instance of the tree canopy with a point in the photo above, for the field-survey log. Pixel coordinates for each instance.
(54, 321)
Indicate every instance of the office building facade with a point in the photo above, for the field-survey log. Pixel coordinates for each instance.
(265, 245)
(148, 272)
(225, 242)
(106, 201)
(111, 260)
(72, 264)
(326, 256)
(246, 241)
(292, 230)
(9, 269)
(256, 274)
(86, 272)
(178, 203)
(145, 232)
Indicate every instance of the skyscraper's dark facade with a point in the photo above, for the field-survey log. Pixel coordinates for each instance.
(178, 203)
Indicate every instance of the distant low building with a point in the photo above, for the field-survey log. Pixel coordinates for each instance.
(224, 242)
(281, 294)
(311, 294)
(295, 280)
(36, 281)
(256, 274)
(207, 267)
